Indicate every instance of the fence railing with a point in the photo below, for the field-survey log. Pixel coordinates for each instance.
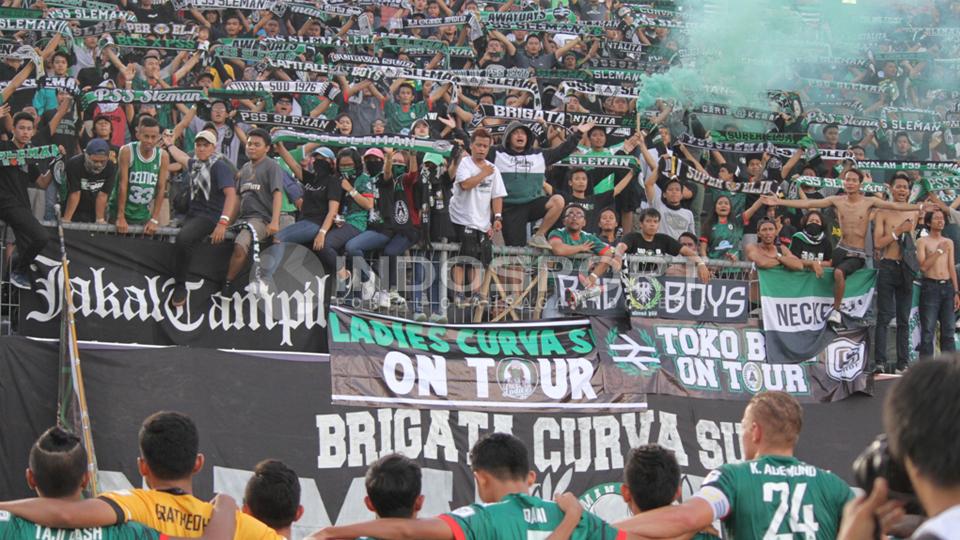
(519, 284)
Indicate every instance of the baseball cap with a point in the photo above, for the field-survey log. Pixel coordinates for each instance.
(207, 136)
(431, 157)
(98, 147)
(324, 152)
(375, 152)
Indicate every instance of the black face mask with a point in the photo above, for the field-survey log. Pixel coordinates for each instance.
(322, 167)
(813, 229)
(374, 167)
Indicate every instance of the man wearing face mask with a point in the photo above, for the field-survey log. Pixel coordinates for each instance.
(90, 179)
(212, 194)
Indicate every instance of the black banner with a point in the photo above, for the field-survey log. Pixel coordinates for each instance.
(721, 361)
(680, 298)
(533, 365)
(122, 286)
(250, 407)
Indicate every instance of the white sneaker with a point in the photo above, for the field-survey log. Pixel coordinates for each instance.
(381, 300)
(396, 300)
(578, 298)
(368, 288)
(835, 317)
(538, 241)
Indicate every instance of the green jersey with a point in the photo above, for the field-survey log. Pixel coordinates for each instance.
(776, 497)
(582, 237)
(522, 517)
(14, 528)
(723, 238)
(355, 214)
(400, 117)
(141, 185)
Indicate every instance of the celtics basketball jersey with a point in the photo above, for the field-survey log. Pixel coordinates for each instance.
(522, 517)
(14, 528)
(141, 185)
(776, 498)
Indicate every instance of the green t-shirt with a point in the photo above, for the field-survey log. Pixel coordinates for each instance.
(776, 497)
(164, 110)
(14, 528)
(522, 517)
(723, 238)
(398, 118)
(356, 215)
(599, 246)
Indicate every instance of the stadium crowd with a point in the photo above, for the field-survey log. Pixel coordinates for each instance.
(374, 127)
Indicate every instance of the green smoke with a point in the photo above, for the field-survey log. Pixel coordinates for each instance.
(748, 47)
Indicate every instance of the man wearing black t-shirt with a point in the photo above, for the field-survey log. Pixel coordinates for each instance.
(15, 203)
(649, 242)
(90, 180)
(213, 192)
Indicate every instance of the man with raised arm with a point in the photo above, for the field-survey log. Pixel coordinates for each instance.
(853, 212)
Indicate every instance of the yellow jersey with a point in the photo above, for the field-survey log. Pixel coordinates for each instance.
(180, 514)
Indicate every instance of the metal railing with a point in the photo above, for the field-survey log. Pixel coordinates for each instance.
(520, 283)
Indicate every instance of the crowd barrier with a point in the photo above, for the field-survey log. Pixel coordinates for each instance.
(520, 283)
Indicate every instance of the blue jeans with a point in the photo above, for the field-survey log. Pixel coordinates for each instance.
(301, 232)
(894, 296)
(372, 241)
(936, 305)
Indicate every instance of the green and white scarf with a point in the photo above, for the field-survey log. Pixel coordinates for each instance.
(373, 141)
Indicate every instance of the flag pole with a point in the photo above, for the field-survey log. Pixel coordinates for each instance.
(71, 352)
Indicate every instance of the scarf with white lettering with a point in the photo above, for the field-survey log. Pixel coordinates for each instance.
(115, 95)
(373, 141)
(287, 87)
(762, 187)
(817, 182)
(15, 157)
(287, 121)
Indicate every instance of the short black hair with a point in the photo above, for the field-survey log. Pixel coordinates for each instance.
(501, 455)
(649, 213)
(273, 494)
(64, 55)
(58, 461)
(169, 444)
(920, 419)
(147, 122)
(575, 170)
(900, 175)
(393, 484)
(928, 217)
(23, 115)
(690, 235)
(595, 128)
(831, 125)
(261, 133)
(652, 475)
(729, 167)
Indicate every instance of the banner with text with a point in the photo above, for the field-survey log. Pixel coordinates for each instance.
(377, 360)
(796, 305)
(721, 361)
(674, 297)
(330, 446)
(122, 287)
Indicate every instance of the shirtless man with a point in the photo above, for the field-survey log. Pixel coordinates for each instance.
(938, 292)
(894, 279)
(766, 254)
(853, 212)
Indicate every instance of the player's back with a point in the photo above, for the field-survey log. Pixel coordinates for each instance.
(780, 497)
(522, 517)
(176, 513)
(15, 528)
